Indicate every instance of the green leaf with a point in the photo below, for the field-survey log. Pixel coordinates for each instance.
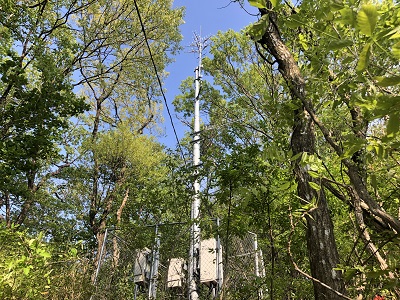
(352, 145)
(396, 50)
(394, 34)
(336, 5)
(380, 151)
(303, 41)
(364, 58)
(388, 81)
(43, 253)
(73, 252)
(349, 273)
(385, 105)
(258, 3)
(374, 182)
(367, 18)
(283, 187)
(392, 126)
(347, 16)
(314, 174)
(295, 157)
(274, 3)
(294, 21)
(257, 30)
(339, 44)
(314, 185)
(27, 270)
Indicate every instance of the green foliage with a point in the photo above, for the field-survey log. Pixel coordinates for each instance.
(246, 161)
(24, 266)
(77, 90)
(373, 276)
(364, 58)
(367, 18)
(258, 3)
(348, 53)
(257, 30)
(29, 268)
(388, 81)
(52, 66)
(345, 53)
(34, 115)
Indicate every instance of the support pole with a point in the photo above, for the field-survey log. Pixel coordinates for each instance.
(219, 260)
(154, 267)
(135, 294)
(195, 230)
(100, 258)
(257, 262)
(99, 262)
(255, 246)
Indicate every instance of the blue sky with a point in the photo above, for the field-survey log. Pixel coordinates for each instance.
(209, 16)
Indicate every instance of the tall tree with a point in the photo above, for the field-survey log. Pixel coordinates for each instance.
(50, 51)
(118, 71)
(329, 37)
(323, 254)
(59, 59)
(36, 100)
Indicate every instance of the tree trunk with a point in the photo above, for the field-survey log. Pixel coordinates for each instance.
(116, 251)
(8, 210)
(323, 253)
(321, 243)
(30, 199)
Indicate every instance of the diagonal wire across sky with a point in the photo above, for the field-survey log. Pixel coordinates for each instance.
(207, 17)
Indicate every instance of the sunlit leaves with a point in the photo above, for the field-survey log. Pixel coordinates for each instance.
(257, 30)
(120, 148)
(294, 21)
(339, 44)
(24, 262)
(367, 18)
(314, 185)
(347, 16)
(303, 41)
(336, 5)
(263, 3)
(388, 81)
(364, 58)
(352, 145)
(396, 50)
(378, 106)
(393, 124)
(258, 3)
(347, 52)
(394, 34)
(310, 161)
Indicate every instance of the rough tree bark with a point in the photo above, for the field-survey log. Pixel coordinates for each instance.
(116, 251)
(321, 243)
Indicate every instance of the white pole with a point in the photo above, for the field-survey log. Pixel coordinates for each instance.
(99, 262)
(154, 267)
(256, 261)
(101, 257)
(256, 255)
(195, 231)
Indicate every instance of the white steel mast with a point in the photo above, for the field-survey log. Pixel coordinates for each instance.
(195, 230)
